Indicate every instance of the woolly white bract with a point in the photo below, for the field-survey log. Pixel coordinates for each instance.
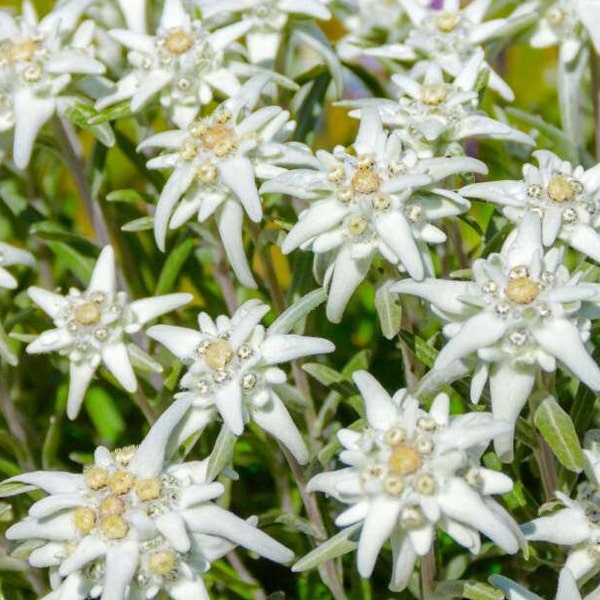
(38, 61)
(91, 327)
(378, 201)
(566, 198)
(232, 371)
(411, 471)
(522, 312)
(216, 163)
(567, 588)
(133, 524)
(10, 256)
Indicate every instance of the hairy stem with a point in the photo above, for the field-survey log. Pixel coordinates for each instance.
(428, 569)
(222, 274)
(240, 568)
(595, 69)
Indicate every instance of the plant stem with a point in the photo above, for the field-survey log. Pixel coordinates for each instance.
(74, 160)
(595, 69)
(223, 277)
(330, 578)
(427, 574)
(245, 575)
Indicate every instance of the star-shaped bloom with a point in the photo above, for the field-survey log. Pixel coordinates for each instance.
(379, 200)
(10, 256)
(215, 164)
(91, 327)
(567, 588)
(183, 63)
(232, 371)
(567, 198)
(449, 36)
(522, 312)
(577, 523)
(433, 113)
(133, 524)
(265, 20)
(38, 61)
(410, 472)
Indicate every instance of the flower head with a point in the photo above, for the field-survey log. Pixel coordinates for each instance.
(265, 20)
(10, 256)
(523, 311)
(232, 371)
(410, 472)
(90, 327)
(183, 63)
(133, 523)
(38, 61)
(567, 198)
(215, 163)
(379, 200)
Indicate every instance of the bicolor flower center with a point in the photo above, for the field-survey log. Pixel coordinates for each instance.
(219, 138)
(404, 460)
(88, 313)
(447, 21)
(162, 563)
(560, 189)
(114, 527)
(365, 180)
(522, 290)
(433, 94)
(218, 354)
(112, 505)
(178, 41)
(356, 225)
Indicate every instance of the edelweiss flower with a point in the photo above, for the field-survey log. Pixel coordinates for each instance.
(410, 472)
(37, 63)
(380, 200)
(132, 524)
(577, 524)
(433, 114)
(91, 327)
(12, 256)
(265, 20)
(183, 63)
(522, 311)
(567, 199)
(232, 371)
(567, 588)
(216, 162)
(449, 37)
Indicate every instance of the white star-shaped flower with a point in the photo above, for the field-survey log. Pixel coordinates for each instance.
(183, 63)
(91, 327)
(379, 200)
(567, 198)
(433, 113)
(522, 312)
(215, 164)
(410, 472)
(9, 256)
(577, 523)
(232, 371)
(567, 588)
(133, 524)
(265, 20)
(38, 61)
(449, 36)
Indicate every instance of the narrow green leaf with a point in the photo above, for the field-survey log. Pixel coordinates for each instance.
(80, 266)
(389, 310)
(142, 360)
(424, 353)
(6, 351)
(140, 224)
(129, 196)
(338, 545)
(51, 444)
(330, 378)
(82, 116)
(222, 453)
(104, 414)
(112, 113)
(298, 311)
(558, 430)
(173, 266)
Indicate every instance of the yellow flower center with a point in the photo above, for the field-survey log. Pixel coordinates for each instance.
(88, 313)
(447, 21)
(124, 455)
(120, 482)
(522, 290)
(162, 563)
(115, 527)
(179, 41)
(560, 189)
(95, 478)
(21, 51)
(220, 138)
(357, 225)
(84, 519)
(148, 489)
(112, 505)
(555, 15)
(218, 354)
(404, 460)
(433, 94)
(365, 181)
